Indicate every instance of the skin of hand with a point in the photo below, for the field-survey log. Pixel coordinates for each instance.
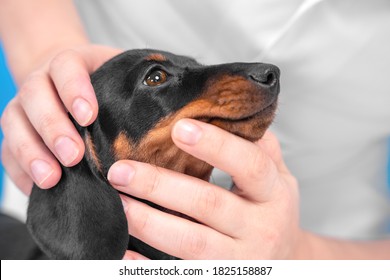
(258, 219)
(50, 58)
(36, 126)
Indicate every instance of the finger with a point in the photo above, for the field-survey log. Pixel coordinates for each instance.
(70, 72)
(46, 113)
(208, 204)
(252, 170)
(70, 76)
(270, 144)
(24, 146)
(173, 235)
(21, 179)
(130, 255)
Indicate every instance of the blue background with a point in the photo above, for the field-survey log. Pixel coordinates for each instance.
(7, 91)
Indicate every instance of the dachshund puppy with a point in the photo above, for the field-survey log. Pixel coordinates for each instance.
(141, 94)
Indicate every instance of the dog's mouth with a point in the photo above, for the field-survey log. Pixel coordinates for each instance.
(250, 126)
(248, 116)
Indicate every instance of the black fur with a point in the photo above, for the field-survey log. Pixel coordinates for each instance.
(82, 217)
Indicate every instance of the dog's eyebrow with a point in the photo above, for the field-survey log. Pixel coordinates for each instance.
(156, 57)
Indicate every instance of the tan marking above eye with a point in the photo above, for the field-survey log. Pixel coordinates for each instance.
(156, 57)
(156, 78)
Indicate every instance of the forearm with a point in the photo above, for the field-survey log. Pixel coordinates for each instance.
(32, 31)
(318, 247)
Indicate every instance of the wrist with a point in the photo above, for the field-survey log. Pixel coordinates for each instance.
(312, 246)
(306, 245)
(28, 37)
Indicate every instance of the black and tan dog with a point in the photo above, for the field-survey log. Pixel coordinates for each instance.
(141, 94)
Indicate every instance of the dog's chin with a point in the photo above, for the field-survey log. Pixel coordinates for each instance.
(248, 126)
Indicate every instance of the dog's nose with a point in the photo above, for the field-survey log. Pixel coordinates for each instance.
(267, 75)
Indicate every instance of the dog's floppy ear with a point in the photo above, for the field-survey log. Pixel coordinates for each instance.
(81, 217)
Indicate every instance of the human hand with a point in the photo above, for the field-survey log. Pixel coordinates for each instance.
(36, 126)
(257, 220)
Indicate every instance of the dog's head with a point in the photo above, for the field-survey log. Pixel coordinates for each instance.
(141, 95)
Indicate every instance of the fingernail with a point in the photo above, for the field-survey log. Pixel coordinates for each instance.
(66, 149)
(82, 111)
(187, 132)
(120, 175)
(41, 170)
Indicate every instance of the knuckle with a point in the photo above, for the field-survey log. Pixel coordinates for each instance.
(193, 243)
(68, 72)
(5, 154)
(153, 183)
(31, 85)
(23, 150)
(14, 170)
(221, 145)
(292, 182)
(70, 87)
(206, 202)
(7, 116)
(139, 220)
(25, 91)
(260, 165)
(62, 58)
(47, 122)
(273, 239)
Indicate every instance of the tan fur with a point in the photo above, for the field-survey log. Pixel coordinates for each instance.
(122, 147)
(92, 152)
(226, 99)
(156, 57)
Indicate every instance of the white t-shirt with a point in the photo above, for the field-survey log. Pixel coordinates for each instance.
(333, 119)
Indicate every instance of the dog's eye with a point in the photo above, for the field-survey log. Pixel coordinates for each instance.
(156, 78)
